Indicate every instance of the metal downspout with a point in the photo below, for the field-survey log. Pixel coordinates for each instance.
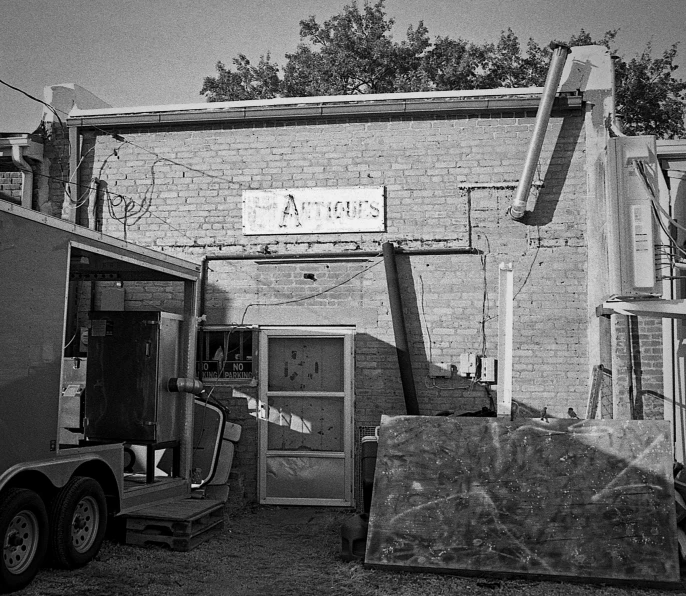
(26, 176)
(399, 330)
(552, 81)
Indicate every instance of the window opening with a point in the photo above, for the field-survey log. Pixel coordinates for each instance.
(226, 355)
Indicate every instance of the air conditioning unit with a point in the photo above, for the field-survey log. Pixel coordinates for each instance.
(634, 232)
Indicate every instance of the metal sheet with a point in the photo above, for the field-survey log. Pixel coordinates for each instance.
(131, 357)
(305, 478)
(32, 313)
(560, 498)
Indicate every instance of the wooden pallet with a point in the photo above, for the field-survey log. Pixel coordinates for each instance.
(179, 525)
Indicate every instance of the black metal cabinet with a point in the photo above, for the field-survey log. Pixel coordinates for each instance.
(131, 356)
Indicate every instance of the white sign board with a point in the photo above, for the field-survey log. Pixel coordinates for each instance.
(314, 210)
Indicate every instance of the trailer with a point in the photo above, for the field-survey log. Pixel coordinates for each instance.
(90, 425)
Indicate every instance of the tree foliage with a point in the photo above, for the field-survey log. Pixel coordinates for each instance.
(650, 100)
(247, 82)
(354, 52)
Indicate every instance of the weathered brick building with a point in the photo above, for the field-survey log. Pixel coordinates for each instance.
(289, 203)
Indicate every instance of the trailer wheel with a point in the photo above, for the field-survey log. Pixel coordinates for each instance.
(78, 520)
(24, 534)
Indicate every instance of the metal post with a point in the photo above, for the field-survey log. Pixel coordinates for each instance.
(505, 337)
(399, 330)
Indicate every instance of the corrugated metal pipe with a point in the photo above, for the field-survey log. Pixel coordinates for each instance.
(552, 81)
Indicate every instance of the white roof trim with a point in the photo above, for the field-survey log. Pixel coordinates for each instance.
(284, 101)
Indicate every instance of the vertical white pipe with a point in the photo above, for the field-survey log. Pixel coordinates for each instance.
(505, 338)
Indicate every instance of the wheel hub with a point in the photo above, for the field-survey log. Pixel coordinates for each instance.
(21, 542)
(85, 523)
(79, 523)
(14, 539)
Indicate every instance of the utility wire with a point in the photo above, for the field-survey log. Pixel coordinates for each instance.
(345, 281)
(47, 105)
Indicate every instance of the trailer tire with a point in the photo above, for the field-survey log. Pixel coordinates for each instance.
(78, 521)
(24, 535)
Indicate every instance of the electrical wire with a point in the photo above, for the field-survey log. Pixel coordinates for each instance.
(122, 198)
(116, 136)
(54, 111)
(47, 105)
(345, 281)
(531, 267)
(131, 208)
(428, 331)
(641, 170)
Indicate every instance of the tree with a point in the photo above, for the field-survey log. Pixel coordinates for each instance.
(248, 82)
(506, 66)
(649, 99)
(351, 53)
(354, 52)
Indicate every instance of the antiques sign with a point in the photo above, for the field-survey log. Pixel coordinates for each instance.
(314, 210)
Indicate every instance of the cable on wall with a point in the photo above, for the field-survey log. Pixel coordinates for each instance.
(303, 298)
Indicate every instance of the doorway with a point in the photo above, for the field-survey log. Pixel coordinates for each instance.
(306, 416)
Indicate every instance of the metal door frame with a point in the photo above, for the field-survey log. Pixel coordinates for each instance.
(347, 334)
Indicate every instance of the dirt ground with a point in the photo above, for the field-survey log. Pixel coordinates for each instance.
(275, 551)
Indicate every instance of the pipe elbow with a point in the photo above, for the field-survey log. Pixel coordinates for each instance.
(517, 212)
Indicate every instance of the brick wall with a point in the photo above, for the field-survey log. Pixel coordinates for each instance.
(55, 171)
(640, 372)
(10, 184)
(179, 188)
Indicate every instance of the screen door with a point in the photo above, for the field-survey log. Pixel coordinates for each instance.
(305, 416)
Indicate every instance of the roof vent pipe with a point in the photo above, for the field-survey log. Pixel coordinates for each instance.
(552, 81)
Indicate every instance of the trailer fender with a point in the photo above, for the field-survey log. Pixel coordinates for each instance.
(47, 476)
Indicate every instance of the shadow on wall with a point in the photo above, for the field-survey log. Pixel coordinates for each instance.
(556, 174)
(378, 388)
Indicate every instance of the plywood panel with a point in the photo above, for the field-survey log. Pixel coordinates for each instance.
(589, 499)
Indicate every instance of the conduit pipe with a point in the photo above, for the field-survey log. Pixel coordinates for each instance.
(552, 81)
(401, 345)
(26, 176)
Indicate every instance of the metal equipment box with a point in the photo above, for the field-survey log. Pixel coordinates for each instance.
(131, 356)
(633, 189)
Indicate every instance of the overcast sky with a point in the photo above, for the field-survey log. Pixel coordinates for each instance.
(157, 52)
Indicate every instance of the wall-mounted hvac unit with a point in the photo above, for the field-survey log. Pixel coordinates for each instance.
(633, 185)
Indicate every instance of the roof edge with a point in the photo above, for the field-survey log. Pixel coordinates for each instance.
(323, 107)
(296, 101)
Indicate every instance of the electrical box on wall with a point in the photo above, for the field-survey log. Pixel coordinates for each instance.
(489, 370)
(633, 185)
(469, 364)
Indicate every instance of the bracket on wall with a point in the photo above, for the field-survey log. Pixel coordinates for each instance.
(651, 307)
